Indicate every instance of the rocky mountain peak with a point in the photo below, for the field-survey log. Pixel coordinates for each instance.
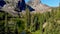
(38, 6)
(35, 5)
(34, 2)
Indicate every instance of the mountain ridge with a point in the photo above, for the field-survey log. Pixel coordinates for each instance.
(40, 6)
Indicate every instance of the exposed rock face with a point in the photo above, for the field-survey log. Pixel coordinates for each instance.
(33, 4)
(38, 6)
(10, 6)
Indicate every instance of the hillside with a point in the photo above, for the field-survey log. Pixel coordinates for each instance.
(39, 23)
(39, 6)
(34, 6)
(44, 20)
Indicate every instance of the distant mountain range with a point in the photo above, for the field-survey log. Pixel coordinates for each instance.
(38, 6)
(32, 4)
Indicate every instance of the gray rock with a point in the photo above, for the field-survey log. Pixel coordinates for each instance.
(36, 4)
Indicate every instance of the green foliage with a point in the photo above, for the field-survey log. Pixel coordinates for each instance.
(33, 23)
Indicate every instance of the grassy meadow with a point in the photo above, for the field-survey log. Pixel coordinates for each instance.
(39, 23)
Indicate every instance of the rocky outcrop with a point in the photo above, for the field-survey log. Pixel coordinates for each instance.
(38, 6)
(9, 7)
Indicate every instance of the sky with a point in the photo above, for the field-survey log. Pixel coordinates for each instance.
(52, 3)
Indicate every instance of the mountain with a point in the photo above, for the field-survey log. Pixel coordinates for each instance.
(38, 6)
(35, 5)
